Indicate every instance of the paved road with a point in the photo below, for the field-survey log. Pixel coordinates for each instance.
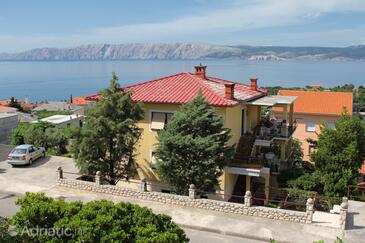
(41, 175)
(197, 236)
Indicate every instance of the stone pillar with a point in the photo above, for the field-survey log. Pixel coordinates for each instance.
(285, 113)
(309, 210)
(248, 183)
(192, 191)
(97, 178)
(59, 173)
(143, 185)
(343, 212)
(248, 199)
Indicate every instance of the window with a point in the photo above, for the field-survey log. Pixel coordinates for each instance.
(310, 127)
(311, 149)
(153, 161)
(160, 119)
(331, 125)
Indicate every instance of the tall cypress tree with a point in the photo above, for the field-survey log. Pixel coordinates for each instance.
(106, 142)
(192, 149)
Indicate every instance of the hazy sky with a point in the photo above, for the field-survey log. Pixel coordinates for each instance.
(46, 23)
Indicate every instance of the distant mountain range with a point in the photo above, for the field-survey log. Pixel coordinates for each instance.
(180, 51)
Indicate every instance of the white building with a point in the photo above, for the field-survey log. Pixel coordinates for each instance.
(65, 120)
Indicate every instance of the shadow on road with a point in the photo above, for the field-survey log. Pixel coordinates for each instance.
(350, 221)
(35, 164)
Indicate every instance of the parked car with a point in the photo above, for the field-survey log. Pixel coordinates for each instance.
(25, 154)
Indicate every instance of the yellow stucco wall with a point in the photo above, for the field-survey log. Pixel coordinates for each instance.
(253, 117)
(148, 140)
(231, 118)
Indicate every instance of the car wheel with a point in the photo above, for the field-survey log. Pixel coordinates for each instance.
(43, 154)
(30, 161)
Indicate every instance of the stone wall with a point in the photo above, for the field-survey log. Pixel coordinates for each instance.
(8, 121)
(192, 201)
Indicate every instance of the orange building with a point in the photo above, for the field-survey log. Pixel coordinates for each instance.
(313, 109)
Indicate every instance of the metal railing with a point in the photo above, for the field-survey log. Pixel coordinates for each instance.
(356, 193)
(248, 161)
(281, 131)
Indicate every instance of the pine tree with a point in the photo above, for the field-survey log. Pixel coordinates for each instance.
(106, 142)
(193, 148)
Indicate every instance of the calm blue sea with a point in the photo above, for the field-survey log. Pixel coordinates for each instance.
(57, 80)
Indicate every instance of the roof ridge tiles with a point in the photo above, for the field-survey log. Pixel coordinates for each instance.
(154, 80)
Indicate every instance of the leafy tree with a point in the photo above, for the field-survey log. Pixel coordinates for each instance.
(53, 139)
(35, 134)
(95, 221)
(106, 142)
(307, 182)
(340, 153)
(193, 147)
(56, 140)
(17, 136)
(296, 152)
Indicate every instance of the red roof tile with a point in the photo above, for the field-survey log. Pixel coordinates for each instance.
(4, 108)
(183, 87)
(320, 102)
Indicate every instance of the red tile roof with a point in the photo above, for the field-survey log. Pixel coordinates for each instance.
(4, 108)
(320, 102)
(80, 100)
(183, 87)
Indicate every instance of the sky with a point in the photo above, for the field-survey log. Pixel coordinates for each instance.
(28, 24)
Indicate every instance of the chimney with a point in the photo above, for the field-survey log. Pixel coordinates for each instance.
(229, 91)
(200, 71)
(253, 84)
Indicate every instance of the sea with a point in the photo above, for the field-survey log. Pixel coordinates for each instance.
(58, 80)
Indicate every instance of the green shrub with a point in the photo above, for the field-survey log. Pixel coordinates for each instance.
(95, 221)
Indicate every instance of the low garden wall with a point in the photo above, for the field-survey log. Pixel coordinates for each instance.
(191, 200)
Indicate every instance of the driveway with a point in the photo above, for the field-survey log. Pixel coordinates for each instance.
(41, 175)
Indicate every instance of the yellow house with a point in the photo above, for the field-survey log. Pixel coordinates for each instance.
(240, 106)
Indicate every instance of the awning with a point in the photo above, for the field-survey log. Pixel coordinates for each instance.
(273, 100)
(247, 171)
(158, 121)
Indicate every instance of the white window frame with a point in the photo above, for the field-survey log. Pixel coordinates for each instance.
(150, 117)
(306, 127)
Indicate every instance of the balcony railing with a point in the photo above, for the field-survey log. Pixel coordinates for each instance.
(275, 130)
(249, 162)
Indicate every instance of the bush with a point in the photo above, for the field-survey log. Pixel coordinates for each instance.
(4, 230)
(299, 168)
(95, 221)
(53, 139)
(307, 182)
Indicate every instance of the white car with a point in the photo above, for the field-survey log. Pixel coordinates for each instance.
(25, 154)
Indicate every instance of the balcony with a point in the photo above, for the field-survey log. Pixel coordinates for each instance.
(270, 130)
(248, 162)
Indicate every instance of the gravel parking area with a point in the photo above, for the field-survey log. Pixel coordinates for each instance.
(41, 175)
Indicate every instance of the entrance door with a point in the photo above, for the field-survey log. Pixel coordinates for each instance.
(243, 122)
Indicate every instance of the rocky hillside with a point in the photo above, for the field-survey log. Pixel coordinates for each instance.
(186, 51)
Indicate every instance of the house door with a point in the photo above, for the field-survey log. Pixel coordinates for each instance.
(243, 122)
